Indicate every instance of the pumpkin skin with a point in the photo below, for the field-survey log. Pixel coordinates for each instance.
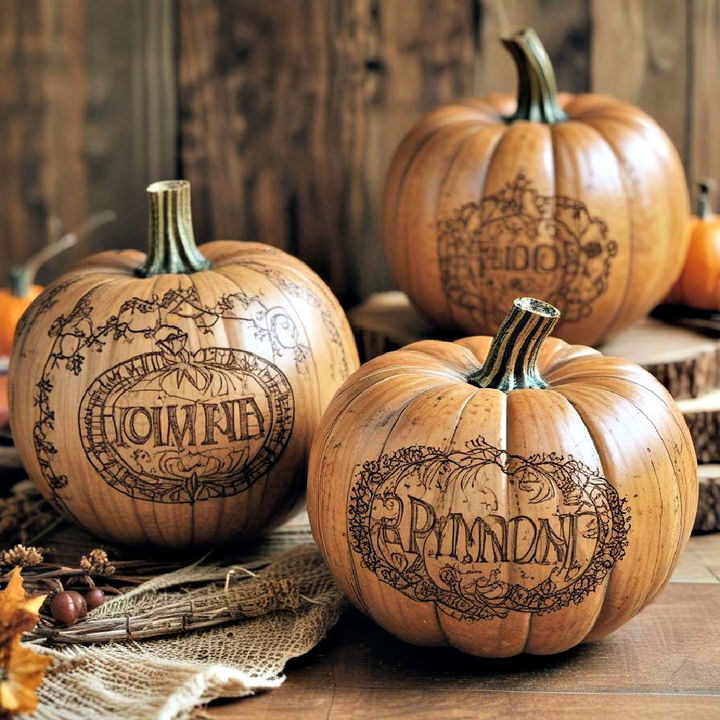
(579, 200)
(699, 283)
(177, 409)
(501, 521)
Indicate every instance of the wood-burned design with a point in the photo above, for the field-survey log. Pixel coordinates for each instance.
(445, 527)
(313, 299)
(179, 424)
(177, 427)
(518, 242)
(42, 305)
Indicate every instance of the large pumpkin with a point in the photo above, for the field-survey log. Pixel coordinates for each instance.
(699, 283)
(171, 399)
(579, 200)
(500, 496)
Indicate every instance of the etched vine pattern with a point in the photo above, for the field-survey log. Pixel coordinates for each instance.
(78, 333)
(183, 303)
(468, 595)
(305, 293)
(42, 305)
(519, 242)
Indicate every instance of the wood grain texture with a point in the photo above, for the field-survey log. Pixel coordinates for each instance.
(42, 100)
(131, 115)
(287, 112)
(701, 561)
(686, 362)
(274, 105)
(708, 512)
(703, 89)
(663, 664)
(316, 703)
(88, 119)
(422, 53)
(639, 54)
(246, 114)
(702, 415)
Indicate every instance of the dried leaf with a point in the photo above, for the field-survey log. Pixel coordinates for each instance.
(21, 669)
(20, 677)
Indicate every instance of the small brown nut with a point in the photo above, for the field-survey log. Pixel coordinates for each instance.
(94, 598)
(80, 604)
(68, 606)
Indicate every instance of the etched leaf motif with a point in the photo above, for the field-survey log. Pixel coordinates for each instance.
(519, 242)
(399, 560)
(156, 318)
(429, 523)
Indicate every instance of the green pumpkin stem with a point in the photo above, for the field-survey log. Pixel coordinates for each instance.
(704, 208)
(171, 241)
(511, 363)
(537, 89)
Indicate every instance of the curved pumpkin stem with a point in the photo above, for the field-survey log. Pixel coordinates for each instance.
(704, 207)
(171, 240)
(512, 359)
(23, 276)
(537, 89)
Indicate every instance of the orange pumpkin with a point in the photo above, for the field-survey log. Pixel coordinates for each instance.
(502, 495)
(171, 398)
(17, 298)
(699, 283)
(14, 301)
(579, 200)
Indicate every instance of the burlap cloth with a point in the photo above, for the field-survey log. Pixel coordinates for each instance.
(282, 612)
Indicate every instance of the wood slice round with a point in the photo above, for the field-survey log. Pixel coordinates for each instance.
(702, 415)
(708, 512)
(686, 362)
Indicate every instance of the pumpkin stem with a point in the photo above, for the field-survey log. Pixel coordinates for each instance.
(704, 208)
(512, 359)
(171, 241)
(537, 89)
(23, 276)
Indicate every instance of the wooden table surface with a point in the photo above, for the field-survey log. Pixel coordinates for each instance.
(663, 664)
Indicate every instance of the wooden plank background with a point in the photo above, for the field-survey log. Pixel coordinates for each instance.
(284, 114)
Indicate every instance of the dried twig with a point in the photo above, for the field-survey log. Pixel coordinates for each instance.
(252, 597)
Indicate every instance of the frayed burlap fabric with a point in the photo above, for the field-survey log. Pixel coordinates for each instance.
(278, 613)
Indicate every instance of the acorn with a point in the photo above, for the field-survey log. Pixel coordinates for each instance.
(68, 606)
(94, 598)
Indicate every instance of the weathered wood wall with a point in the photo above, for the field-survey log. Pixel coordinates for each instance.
(283, 114)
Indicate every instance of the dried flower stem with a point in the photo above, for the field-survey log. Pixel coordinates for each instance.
(249, 598)
(50, 570)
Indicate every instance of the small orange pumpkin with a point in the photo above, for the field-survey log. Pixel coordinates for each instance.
(14, 301)
(172, 398)
(579, 200)
(17, 298)
(699, 283)
(502, 495)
